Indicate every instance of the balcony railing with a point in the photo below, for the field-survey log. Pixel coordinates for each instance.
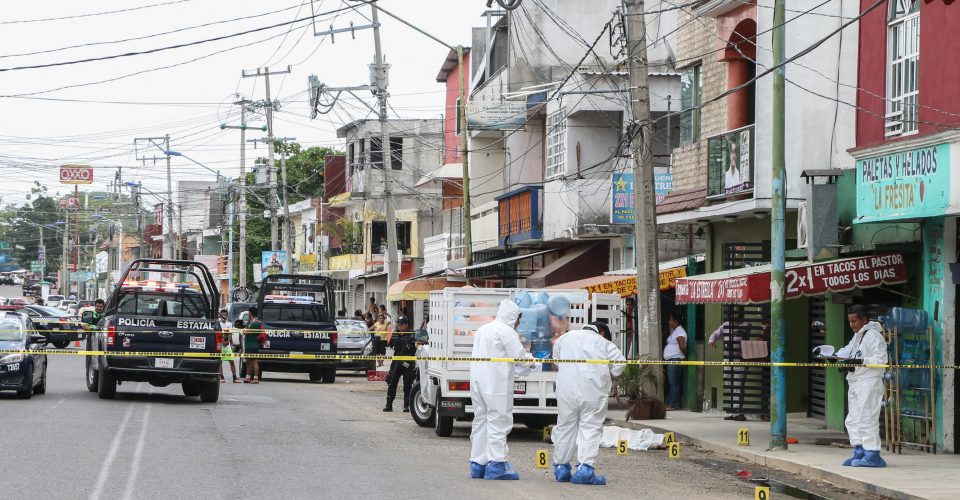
(730, 163)
(521, 216)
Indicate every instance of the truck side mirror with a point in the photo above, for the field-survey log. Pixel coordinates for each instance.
(87, 317)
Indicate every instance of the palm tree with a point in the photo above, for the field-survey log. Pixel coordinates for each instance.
(348, 233)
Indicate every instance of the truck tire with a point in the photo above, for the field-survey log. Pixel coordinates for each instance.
(107, 388)
(329, 375)
(61, 344)
(421, 411)
(42, 388)
(209, 391)
(93, 376)
(191, 388)
(316, 376)
(443, 426)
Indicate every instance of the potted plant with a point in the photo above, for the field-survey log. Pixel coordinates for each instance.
(632, 384)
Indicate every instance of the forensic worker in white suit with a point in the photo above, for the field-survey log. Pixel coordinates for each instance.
(491, 392)
(582, 392)
(865, 392)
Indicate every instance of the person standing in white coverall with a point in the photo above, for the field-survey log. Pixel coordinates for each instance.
(865, 393)
(491, 393)
(582, 392)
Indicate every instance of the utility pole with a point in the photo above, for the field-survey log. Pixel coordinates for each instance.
(645, 245)
(287, 228)
(166, 139)
(390, 260)
(778, 211)
(271, 169)
(241, 212)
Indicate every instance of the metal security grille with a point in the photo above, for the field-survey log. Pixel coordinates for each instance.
(746, 389)
(816, 377)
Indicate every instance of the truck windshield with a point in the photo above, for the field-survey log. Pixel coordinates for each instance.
(298, 313)
(172, 305)
(10, 331)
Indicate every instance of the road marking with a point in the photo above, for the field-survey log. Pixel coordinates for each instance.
(111, 455)
(137, 453)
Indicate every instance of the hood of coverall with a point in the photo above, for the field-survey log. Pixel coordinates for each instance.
(508, 313)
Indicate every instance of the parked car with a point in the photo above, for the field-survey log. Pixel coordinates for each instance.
(74, 309)
(65, 304)
(25, 373)
(59, 328)
(54, 300)
(354, 339)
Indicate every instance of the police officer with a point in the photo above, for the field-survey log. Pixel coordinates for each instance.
(98, 308)
(403, 344)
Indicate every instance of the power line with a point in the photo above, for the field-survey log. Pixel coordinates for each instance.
(93, 14)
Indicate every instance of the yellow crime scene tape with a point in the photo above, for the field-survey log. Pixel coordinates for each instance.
(60, 352)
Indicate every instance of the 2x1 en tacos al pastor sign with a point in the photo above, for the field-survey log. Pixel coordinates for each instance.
(752, 285)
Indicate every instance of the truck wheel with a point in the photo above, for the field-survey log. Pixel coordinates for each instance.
(316, 376)
(329, 375)
(210, 391)
(443, 426)
(191, 388)
(42, 388)
(107, 388)
(420, 409)
(26, 393)
(93, 376)
(61, 344)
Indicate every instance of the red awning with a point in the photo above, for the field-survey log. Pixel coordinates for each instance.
(751, 285)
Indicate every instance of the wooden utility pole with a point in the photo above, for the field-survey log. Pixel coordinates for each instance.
(389, 260)
(641, 128)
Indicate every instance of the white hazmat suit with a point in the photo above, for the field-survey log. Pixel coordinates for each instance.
(865, 394)
(491, 385)
(582, 392)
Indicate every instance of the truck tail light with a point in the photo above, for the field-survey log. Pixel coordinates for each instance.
(219, 340)
(333, 338)
(111, 335)
(458, 385)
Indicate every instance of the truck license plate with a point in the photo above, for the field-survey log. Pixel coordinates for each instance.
(519, 387)
(163, 362)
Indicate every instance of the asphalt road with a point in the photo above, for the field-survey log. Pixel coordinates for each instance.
(283, 438)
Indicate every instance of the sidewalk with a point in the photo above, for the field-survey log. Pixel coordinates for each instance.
(907, 476)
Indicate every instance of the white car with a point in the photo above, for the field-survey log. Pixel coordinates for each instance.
(64, 305)
(54, 300)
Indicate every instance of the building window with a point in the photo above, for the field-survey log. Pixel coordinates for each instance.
(458, 116)
(350, 157)
(903, 58)
(362, 157)
(556, 143)
(396, 153)
(376, 152)
(691, 93)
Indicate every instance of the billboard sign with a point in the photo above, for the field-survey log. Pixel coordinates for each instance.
(730, 163)
(623, 206)
(496, 115)
(272, 262)
(76, 174)
(904, 185)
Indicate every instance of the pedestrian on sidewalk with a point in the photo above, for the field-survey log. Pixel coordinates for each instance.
(403, 344)
(582, 393)
(372, 307)
(253, 337)
(675, 349)
(491, 393)
(865, 392)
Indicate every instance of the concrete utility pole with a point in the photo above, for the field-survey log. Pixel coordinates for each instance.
(645, 246)
(778, 212)
(166, 147)
(287, 228)
(271, 169)
(390, 260)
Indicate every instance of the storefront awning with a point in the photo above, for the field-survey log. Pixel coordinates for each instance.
(623, 284)
(419, 289)
(751, 285)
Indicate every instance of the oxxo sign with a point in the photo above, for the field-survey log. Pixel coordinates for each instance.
(905, 184)
(76, 174)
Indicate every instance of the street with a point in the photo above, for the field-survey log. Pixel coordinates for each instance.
(285, 438)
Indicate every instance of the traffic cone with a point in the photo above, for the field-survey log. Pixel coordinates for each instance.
(76, 343)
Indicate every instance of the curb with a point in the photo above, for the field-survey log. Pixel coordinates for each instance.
(755, 458)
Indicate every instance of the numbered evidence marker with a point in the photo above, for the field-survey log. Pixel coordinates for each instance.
(547, 431)
(674, 450)
(668, 438)
(762, 493)
(622, 447)
(743, 436)
(543, 460)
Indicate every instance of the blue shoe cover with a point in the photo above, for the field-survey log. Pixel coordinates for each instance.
(586, 475)
(477, 470)
(500, 471)
(871, 458)
(857, 454)
(561, 472)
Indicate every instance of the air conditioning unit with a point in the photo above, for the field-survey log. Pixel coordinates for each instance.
(802, 233)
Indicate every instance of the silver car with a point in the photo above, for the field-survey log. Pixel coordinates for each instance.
(354, 339)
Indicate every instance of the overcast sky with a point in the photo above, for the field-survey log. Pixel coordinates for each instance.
(190, 100)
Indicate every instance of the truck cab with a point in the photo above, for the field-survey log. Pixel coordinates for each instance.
(297, 313)
(159, 307)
